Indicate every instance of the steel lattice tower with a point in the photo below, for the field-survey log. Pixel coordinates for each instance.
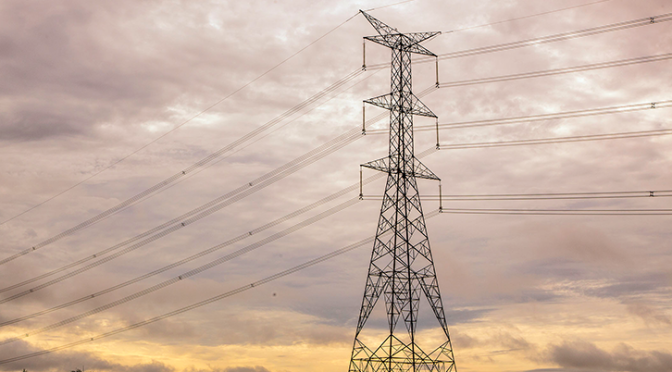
(401, 265)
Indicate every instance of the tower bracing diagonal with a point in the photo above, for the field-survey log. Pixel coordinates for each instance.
(401, 270)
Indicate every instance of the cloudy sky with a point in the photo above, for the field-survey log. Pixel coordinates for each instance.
(117, 96)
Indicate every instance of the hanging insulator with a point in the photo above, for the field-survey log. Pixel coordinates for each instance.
(363, 118)
(437, 72)
(440, 199)
(364, 55)
(361, 195)
(438, 147)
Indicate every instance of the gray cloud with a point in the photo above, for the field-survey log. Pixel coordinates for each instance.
(586, 355)
(651, 315)
(465, 316)
(633, 286)
(70, 68)
(501, 340)
(70, 360)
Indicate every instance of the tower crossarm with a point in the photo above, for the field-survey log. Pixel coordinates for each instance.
(416, 106)
(380, 27)
(413, 40)
(419, 49)
(419, 170)
(406, 42)
(389, 40)
(419, 37)
(383, 101)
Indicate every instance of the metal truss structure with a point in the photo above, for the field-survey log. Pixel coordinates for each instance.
(401, 267)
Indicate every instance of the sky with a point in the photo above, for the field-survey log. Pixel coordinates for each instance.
(104, 100)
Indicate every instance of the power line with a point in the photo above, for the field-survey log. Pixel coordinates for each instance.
(190, 217)
(187, 171)
(544, 141)
(210, 300)
(542, 196)
(262, 136)
(212, 206)
(541, 117)
(176, 127)
(205, 252)
(649, 193)
(559, 71)
(557, 37)
(198, 255)
(252, 232)
(552, 116)
(190, 273)
(564, 212)
(544, 39)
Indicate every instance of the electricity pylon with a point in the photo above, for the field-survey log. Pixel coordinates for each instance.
(401, 265)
